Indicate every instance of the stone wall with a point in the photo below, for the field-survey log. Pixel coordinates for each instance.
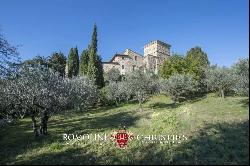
(155, 53)
(150, 62)
(107, 66)
(150, 48)
(137, 59)
(157, 48)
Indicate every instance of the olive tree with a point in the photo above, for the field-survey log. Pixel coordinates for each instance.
(153, 82)
(219, 79)
(82, 92)
(113, 75)
(35, 91)
(137, 85)
(116, 91)
(140, 85)
(241, 74)
(40, 92)
(179, 87)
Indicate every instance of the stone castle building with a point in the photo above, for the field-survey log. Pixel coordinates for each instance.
(155, 53)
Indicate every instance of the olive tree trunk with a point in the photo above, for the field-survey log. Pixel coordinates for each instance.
(44, 122)
(222, 93)
(34, 126)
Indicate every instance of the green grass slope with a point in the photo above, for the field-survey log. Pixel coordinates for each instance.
(217, 132)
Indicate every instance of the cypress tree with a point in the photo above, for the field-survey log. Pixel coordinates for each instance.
(100, 78)
(73, 62)
(84, 60)
(76, 62)
(94, 39)
(92, 69)
(95, 70)
(70, 63)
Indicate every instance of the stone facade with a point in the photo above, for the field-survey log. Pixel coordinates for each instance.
(155, 53)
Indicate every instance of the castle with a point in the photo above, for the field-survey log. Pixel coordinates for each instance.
(155, 53)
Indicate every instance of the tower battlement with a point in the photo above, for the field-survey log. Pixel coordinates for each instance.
(157, 48)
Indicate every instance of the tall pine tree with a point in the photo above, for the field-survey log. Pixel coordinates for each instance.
(95, 70)
(73, 62)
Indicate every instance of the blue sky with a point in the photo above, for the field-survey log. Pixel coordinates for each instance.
(220, 27)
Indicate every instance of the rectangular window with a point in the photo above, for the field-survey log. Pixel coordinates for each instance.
(122, 66)
(122, 57)
(136, 58)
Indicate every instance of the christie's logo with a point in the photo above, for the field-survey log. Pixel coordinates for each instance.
(121, 137)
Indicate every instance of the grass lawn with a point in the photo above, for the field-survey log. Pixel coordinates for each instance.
(217, 132)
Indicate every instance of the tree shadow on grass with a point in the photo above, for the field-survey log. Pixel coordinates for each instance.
(72, 156)
(113, 121)
(221, 143)
(97, 124)
(197, 97)
(16, 139)
(23, 139)
(244, 102)
(159, 105)
(190, 99)
(103, 108)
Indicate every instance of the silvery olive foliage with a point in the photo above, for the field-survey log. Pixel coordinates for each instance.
(137, 85)
(113, 75)
(179, 87)
(153, 80)
(117, 91)
(241, 74)
(83, 92)
(219, 79)
(40, 92)
(112, 92)
(33, 91)
(35, 86)
(140, 85)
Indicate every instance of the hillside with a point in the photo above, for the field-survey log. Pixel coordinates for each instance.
(217, 131)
